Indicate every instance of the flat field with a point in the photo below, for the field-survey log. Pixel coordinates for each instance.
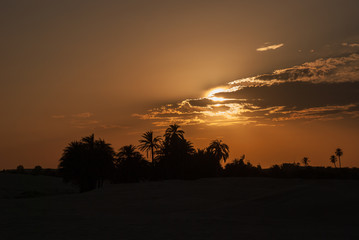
(36, 207)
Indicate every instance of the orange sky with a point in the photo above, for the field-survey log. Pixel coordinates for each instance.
(288, 72)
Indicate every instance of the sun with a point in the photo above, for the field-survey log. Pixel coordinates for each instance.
(210, 94)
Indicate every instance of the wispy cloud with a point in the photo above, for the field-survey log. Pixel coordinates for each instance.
(325, 89)
(350, 44)
(270, 47)
(83, 115)
(112, 126)
(339, 69)
(86, 120)
(84, 123)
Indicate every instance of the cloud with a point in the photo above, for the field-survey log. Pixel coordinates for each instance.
(350, 44)
(85, 120)
(83, 115)
(321, 70)
(298, 94)
(112, 126)
(324, 89)
(84, 123)
(270, 47)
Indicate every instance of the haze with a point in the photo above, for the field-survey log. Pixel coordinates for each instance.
(285, 73)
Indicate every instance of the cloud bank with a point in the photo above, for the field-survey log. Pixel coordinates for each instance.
(325, 89)
(350, 44)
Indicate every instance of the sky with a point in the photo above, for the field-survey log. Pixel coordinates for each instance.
(275, 80)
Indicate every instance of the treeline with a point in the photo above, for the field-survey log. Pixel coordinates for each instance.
(90, 161)
(37, 170)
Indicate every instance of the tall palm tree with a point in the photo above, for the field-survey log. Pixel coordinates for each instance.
(339, 153)
(333, 159)
(89, 141)
(219, 150)
(173, 133)
(187, 147)
(305, 161)
(131, 166)
(149, 144)
(127, 152)
(87, 162)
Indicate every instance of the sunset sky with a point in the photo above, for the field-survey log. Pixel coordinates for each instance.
(275, 80)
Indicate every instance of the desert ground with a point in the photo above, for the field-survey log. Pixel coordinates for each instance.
(38, 207)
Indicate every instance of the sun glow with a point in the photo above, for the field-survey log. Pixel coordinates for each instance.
(210, 94)
(217, 99)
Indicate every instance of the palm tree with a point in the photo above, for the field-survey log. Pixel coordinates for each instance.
(175, 154)
(87, 162)
(339, 153)
(305, 161)
(333, 159)
(131, 166)
(89, 141)
(149, 144)
(219, 150)
(127, 152)
(173, 133)
(187, 147)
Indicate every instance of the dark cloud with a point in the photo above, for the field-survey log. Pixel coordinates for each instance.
(339, 69)
(202, 102)
(299, 95)
(325, 89)
(292, 74)
(220, 108)
(205, 102)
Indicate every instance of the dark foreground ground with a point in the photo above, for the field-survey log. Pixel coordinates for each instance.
(229, 208)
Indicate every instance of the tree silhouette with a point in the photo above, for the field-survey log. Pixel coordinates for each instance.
(219, 150)
(187, 147)
(339, 153)
(149, 144)
(127, 152)
(305, 161)
(240, 169)
(131, 166)
(175, 153)
(201, 163)
(207, 165)
(173, 133)
(89, 141)
(37, 170)
(333, 159)
(20, 169)
(87, 162)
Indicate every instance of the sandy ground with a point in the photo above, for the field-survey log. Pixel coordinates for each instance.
(232, 208)
(27, 185)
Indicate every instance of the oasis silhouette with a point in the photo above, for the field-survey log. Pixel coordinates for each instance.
(90, 161)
